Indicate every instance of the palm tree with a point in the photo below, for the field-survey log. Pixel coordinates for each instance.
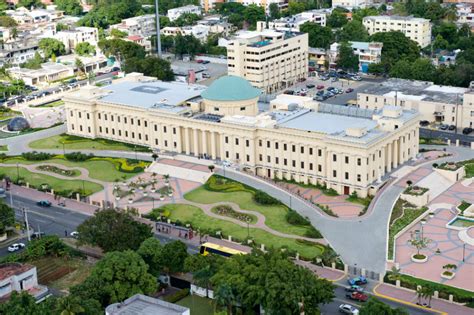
(419, 294)
(428, 291)
(329, 256)
(69, 306)
(203, 277)
(224, 296)
(395, 274)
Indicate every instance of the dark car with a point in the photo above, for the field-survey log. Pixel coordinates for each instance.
(467, 130)
(310, 86)
(44, 203)
(289, 92)
(358, 281)
(424, 123)
(37, 235)
(320, 87)
(354, 288)
(443, 127)
(452, 127)
(204, 62)
(349, 90)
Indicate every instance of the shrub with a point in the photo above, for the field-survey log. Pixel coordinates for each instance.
(222, 184)
(36, 156)
(78, 156)
(265, 199)
(295, 218)
(312, 232)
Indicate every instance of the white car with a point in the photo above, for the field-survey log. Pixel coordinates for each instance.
(15, 247)
(348, 309)
(74, 234)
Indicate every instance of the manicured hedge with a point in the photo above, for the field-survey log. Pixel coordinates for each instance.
(295, 218)
(265, 199)
(175, 297)
(36, 156)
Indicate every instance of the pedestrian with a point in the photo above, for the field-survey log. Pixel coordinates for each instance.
(186, 235)
(179, 234)
(65, 233)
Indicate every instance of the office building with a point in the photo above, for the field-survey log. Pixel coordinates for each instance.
(345, 148)
(270, 60)
(174, 14)
(416, 29)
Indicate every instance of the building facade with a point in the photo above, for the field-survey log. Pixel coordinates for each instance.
(71, 38)
(344, 148)
(270, 60)
(293, 23)
(143, 25)
(416, 29)
(351, 4)
(367, 53)
(174, 14)
(436, 104)
(20, 277)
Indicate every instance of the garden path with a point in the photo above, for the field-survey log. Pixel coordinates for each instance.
(260, 224)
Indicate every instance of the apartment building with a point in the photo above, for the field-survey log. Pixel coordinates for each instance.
(208, 5)
(145, 43)
(18, 51)
(174, 14)
(345, 148)
(436, 103)
(144, 25)
(201, 32)
(49, 72)
(318, 59)
(270, 60)
(20, 277)
(352, 4)
(293, 23)
(71, 38)
(367, 53)
(23, 16)
(416, 29)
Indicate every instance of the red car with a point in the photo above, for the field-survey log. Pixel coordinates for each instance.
(357, 296)
(199, 60)
(349, 90)
(320, 87)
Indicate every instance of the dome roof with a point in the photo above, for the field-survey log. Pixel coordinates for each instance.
(230, 88)
(18, 124)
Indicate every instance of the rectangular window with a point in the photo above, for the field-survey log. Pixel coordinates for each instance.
(120, 133)
(260, 157)
(79, 115)
(133, 135)
(156, 127)
(126, 133)
(285, 162)
(146, 123)
(216, 109)
(346, 159)
(320, 168)
(118, 118)
(293, 163)
(174, 130)
(247, 143)
(175, 144)
(237, 156)
(277, 160)
(284, 147)
(72, 114)
(89, 129)
(334, 158)
(87, 115)
(227, 154)
(236, 141)
(320, 152)
(105, 116)
(334, 173)
(125, 120)
(268, 144)
(276, 145)
(259, 143)
(226, 139)
(166, 143)
(293, 148)
(164, 129)
(242, 109)
(248, 158)
(139, 136)
(310, 166)
(106, 130)
(80, 128)
(359, 178)
(310, 151)
(269, 160)
(302, 165)
(111, 117)
(359, 161)
(346, 175)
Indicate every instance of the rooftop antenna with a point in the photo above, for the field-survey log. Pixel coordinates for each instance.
(158, 39)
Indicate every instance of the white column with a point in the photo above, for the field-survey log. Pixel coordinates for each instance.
(389, 157)
(196, 142)
(221, 142)
(395, 154)
(204, 142)
(179, 145)
(187, 141)
(213, 145)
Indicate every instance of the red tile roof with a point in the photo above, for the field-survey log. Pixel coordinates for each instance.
(12, 269)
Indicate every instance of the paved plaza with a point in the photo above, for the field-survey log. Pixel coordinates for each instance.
(451, 248)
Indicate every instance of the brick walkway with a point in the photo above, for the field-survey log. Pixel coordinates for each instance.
(409, 297)
(326, 273)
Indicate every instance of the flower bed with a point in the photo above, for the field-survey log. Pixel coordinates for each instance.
(228, 211)
(57, 170)
(450, 166)
(415, 190)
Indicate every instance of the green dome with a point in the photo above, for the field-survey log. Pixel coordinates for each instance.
(230, 88)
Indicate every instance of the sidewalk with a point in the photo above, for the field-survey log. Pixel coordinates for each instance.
(34, 194)
(407, 297)
(325, 273)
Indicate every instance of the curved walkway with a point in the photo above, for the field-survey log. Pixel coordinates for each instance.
(260, 224)
(83, 176)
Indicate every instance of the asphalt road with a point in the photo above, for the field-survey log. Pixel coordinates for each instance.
(451, 135)
(333, 307)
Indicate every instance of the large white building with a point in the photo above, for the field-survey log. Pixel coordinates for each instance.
(436, 103)
(345, 148)
(351, 4)
(270, 60)
(367, 53)
(82, 34)
(143, 25)
(211, 4)
(201, 32)
(174, 14)
(293, 23)
(416, 29)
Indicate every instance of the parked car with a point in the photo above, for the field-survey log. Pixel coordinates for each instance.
(74, 234)
(289, 92)
(204, 62)
(331, 88)
(320, 87)
(443, 127)
(319, 98)
(349, 90)
(310, 86)
(324, 78)
(357, 296)
(354, 288)
(15, 247)
(334, 79)
(424, 123)
(467, 130)
(452, 127)
(44, 203)
(348, 309)
(357, 281)
(206, 75)
(199, 60)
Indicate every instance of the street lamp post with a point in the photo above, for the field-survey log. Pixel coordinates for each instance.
(135, 150)
(17, 173)
(248, 228)
(463, 251)
(423, 222)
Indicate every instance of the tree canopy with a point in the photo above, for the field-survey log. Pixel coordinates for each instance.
(113, 230)
(116, 277)
(107, 12)
(318, 36)
(353, 31)
(7, 21)
(85, 49)
(347, 59)
(70, 7)
(376, 307)
(7, 217)
(121, 49)
(151, 252)
(150, 66)
(264, 278)
(51, 46)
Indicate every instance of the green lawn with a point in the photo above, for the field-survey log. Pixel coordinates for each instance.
(195, 216)
(55, 183)
(78, 143)
(274, 214)
(198, 305)
(469, 167)
(52, 104)
(3, 147)
(100, 170)
(9, 114)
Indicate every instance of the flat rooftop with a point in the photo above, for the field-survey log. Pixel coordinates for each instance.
(396, 18)
(140, 304)
(150, 94)
(416, 90)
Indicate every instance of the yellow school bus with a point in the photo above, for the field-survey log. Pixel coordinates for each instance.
(210, 248)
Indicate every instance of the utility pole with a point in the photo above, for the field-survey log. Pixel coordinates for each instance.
(158, 39)
(25, 214)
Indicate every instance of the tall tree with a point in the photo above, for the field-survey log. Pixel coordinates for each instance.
(70, 7)
(336, 19)
(376, 307)
(396, 46)
(347, 59)
(121, 49)
(353, 31)
(113, 230)
(318, 36)
(151, 252)
(274, 11)
(7, 21)
(51, 46)
(30, 3)
(254, 13)
(173, 256)
(116, 277)
(7, 217)
(186, 45)
(85, 49)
